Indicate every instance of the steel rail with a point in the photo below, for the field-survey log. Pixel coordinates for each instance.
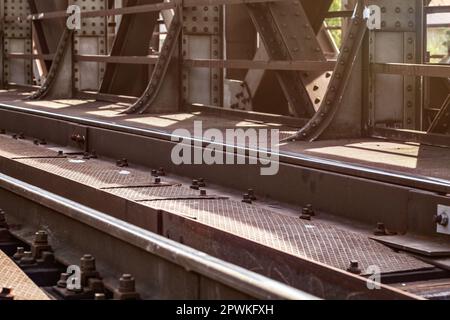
(191, 260)
(289, 158)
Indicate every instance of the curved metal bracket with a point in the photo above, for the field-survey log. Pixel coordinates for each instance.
(55, 68)
(157, 78)
(339, 81)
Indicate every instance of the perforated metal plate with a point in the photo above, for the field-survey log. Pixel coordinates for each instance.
(12, 277)
(14, 149)
(316, 240)
(95, 173)
(160, 193)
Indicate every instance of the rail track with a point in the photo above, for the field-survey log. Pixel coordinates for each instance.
(35, 195)
(165, 269)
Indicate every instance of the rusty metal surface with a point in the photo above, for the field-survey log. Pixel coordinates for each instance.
(11, 276)
(95, 173)
(316, 240)
(14, 149)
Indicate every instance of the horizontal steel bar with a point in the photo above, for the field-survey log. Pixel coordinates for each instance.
(134, 9)
(437, 9)
(26, 56)
(339, 14)
(424, 70)
(151, 60)
(191, 260)
(265, 65)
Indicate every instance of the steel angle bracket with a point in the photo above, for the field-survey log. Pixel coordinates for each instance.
(151, 92)
(64, 49)
(339, 81)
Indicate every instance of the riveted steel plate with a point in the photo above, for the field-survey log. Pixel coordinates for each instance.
(22, 287)
(15, 149)
(174, 192)
(316, 240)
(95, 173)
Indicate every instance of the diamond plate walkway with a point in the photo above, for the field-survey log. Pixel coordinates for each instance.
(11, 276)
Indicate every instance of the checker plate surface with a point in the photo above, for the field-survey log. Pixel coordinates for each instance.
(316, 240)
(23, 288)
(13, 149)
(93, 172)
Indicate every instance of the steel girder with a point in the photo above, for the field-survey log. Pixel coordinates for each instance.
(333, 99)
(16, 39)
(398, 41)
(133, 39)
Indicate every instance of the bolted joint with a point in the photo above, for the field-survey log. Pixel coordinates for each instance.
(3, 222)
(78, 138)
(247, 199)
(6, 294)
(122, 163)
(195, 185)
(20, 252)
(306, 214)
(354, 267)
(87, 263)
(442, 219)
(27, 259)
(380, 230)
(251, 194)
(127, 289)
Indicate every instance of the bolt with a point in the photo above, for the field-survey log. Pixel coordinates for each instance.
(247, 199)
(354, 267)
(87, 263)
(154, 173)
(201, 183)
(203, 192)
(6, 294)
(157, 180)
(19, 253)
(127, 283)
(442, 219)
(251, 194)
(60, 153)
(306, 214)
(36, 142)
(3, 222)
(41, 238)
(195, 185)
(311, 209)
(27, 258)
(62, 282)
(161, 172)
(122, 163)
(380, 230)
